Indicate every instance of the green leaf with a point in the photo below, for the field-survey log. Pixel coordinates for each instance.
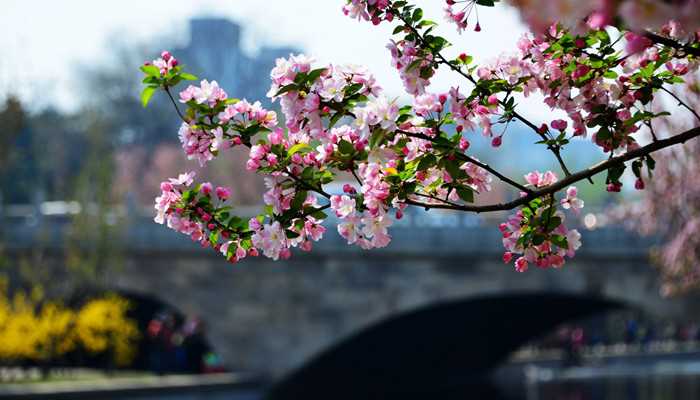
(417, 15)
(376, 138)
(538, 239)
(560, 241)
(426, 162)
(299, 147)
(291, 234)
(314, 74)
(614, 173)
(345, 147)
(319, 214)
(188, 77)
(553, 223)
(413, 65)
(334, 119)
(287, 88)
(214, 237)
(151, 70)
(465, 193)
(147, 94)
(299, 198)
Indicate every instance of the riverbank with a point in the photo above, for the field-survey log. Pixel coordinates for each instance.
(232, 386)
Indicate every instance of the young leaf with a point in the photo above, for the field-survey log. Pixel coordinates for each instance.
(147, 94)
(188, 77)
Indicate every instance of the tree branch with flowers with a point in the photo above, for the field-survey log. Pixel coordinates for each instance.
(600, 62)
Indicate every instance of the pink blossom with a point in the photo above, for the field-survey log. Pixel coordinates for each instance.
(209, 93)
(206, 188)
(571, 201)
(425, 103)
(521, 264)
(343, 205)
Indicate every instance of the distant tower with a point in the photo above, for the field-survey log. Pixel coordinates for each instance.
(214, 52)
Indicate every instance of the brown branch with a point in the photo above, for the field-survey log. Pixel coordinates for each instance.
(573, 178)
(658, 39)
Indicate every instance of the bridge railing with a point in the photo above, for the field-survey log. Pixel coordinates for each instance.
(418, 232)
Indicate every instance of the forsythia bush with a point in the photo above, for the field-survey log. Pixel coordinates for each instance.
(32, 328)
(102, 326)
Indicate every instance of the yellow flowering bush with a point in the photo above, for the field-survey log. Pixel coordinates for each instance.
(32, 328)
(101, 326)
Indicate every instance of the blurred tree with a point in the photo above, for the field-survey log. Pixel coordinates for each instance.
(670, 205)
(93, 243)
(12, 120)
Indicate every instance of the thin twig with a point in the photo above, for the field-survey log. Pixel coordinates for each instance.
(682, 103)
(182, 117)
(465, 157)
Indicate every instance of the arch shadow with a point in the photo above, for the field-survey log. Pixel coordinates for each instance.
(440, 351)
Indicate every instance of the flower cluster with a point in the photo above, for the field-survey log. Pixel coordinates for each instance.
(415, 66)
(375, 11)
(165, 63)
(537, 231)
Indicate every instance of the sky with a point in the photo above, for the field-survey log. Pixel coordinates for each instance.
(39, 50)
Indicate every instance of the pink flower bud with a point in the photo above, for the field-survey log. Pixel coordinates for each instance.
(276, 136)
(614, 187)
(463, 144)
(206, 188)
(252, 165)
(496, 142)
(521, 264)
(559, 124)
(639, 184)
(507, 257)
(272, 159)
(223, 193)
(285, 254)
(493, 100)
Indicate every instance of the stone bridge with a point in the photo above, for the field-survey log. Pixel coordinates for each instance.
(271, 316)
